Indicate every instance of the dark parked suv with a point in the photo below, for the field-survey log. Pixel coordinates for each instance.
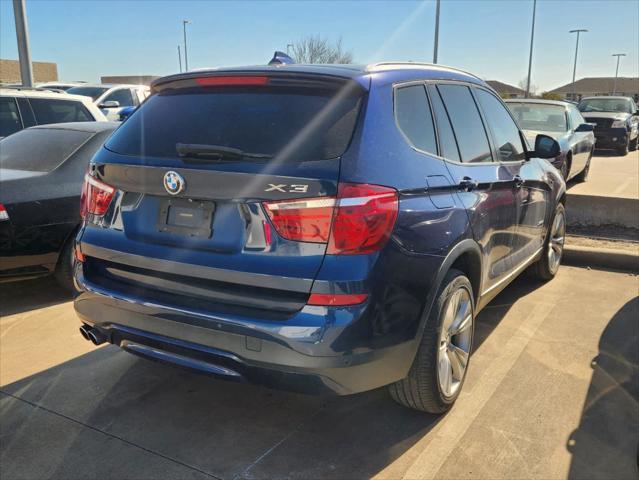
(315, 228)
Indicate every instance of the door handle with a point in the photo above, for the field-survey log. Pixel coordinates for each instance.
(467, 184)
(518, 181)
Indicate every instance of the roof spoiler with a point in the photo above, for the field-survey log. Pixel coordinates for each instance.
(280, 58)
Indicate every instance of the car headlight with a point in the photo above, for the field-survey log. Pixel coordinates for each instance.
(619, 124)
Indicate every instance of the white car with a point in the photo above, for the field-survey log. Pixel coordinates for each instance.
(113, 98)
(23, 107)
(60, 85)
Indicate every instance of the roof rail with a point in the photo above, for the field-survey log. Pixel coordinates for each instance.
(33, 89)
(374, 66)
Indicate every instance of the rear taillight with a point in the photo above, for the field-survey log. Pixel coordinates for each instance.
(96, 196)
(4, 215)
(358, 221)
(336, 300)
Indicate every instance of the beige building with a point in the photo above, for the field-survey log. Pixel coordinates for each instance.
(42, 71)
(505, 90)
(129, 79)
(597, 86)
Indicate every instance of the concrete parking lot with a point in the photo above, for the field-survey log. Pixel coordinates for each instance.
(611, 175)
(552, 392)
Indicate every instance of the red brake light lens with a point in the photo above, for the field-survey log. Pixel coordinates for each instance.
(4, 215)
(231, 81)
(359, 221)
(96, 196)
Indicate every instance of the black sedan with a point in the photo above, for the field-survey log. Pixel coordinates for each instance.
(41, 174)
(563, 122)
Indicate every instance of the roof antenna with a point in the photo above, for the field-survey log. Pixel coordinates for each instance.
(280, 58)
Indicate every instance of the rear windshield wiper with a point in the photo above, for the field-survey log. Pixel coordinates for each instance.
(215, 152)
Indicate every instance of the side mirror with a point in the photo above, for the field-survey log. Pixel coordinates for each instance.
(546, 147)
(125, 113)
(109, 104)
(585, 127)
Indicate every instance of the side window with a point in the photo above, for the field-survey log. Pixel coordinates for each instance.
(447, 143)
(414, 118)
(9, 117)
(50, 110)
(28, 119)
(504, 128)
(122, 96)
(467, 124)
(575, 117)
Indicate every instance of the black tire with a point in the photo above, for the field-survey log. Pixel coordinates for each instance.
(622, 151)
(582, 176)
(64, 269)
(633, 145)
(564, 169)
(420, 390)
(544, 268)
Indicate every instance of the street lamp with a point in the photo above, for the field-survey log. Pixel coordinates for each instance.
(618, 55)
(288, 49)
(186, 55)
(436, 43)
(532, 38)
(179, 58)
(574, 69)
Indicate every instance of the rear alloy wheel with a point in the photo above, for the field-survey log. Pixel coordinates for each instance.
(548, 265)
(439, 369)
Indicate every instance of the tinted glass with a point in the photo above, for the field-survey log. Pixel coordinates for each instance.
(447, 143)
(467, 124)
(9, 116)
(300, 123)
(40, 149)
(414, 117)
(49, 110)
(504, 129)
(539, 117)
(604, 104)
(93, 92)
(123, 97)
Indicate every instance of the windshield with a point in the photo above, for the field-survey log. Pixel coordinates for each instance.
(606, 105)
(540, 117)
(93, 92)
(308, 122)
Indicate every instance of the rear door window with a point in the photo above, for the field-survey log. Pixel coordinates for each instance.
(504, 129)
(40, 149)
(52, 110)
(467, 123)
(447, 143)
(122, 96)
(414, 118)
(296, 123)
(9, 116)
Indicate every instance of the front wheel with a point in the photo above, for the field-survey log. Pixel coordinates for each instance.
(439, 369)
(633, 144)
(623, 150)
(583, 175)
(548, 265)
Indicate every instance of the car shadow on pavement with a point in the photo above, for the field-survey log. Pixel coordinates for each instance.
(606, 442)
(202, 425)
(26, 295)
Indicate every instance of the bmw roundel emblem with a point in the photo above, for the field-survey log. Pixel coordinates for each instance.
(173, 182)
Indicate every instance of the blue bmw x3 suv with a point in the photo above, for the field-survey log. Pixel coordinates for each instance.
(315, 228)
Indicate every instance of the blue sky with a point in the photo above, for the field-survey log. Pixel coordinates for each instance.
(91, 38)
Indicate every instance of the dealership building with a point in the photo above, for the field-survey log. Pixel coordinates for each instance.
(600, 86)
(42, 71)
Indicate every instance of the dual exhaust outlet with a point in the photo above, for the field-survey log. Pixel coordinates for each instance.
(92, 334)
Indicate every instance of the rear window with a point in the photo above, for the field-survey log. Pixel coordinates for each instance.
(298, 123)
(48, 110)
(40, 149)
(539, 116)
(93, 92)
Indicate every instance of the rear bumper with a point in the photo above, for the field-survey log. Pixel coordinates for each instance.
(317, 350)
(611, 137)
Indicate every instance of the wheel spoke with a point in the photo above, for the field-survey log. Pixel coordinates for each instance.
(463, 325)
(445, 373)
(457, 368)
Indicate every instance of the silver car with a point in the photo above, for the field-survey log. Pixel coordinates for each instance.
(563, 122)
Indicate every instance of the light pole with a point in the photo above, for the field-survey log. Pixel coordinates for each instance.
(288, 49)
(186, 55)
(179, 59)
(532, 38)
(574, 68)
(618, 55)
(436, 45)
(22, 34)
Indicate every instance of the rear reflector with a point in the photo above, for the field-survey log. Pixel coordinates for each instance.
(231, 81)
(96, 196)
(359, 221)
(79, 256)
(4, 215)
(336, 300)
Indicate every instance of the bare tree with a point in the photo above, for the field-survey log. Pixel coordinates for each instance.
(533, 88)
(315, 49)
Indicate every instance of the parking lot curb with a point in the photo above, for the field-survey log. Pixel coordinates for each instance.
(601, 257)
(597, 211)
